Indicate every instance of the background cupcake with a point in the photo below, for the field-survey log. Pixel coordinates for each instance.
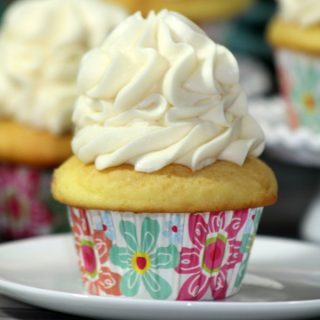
(294, 33)
(41, 44)
(165, 192)
(212, 15)
(200, 10)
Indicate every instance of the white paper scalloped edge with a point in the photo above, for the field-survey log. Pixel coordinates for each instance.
(299, 146)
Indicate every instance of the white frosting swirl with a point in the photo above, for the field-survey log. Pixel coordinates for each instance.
(303, 12)
(159, 91)
(42, 43)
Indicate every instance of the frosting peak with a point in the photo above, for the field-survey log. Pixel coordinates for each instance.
(159, 91)
(41, 45)
(303, 12)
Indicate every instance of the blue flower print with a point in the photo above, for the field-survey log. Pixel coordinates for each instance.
(173, 229)
(102, 220)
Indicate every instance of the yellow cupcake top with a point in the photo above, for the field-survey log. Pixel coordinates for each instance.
(175, 188)
(159, 91)
(296, 26)
(41, 44)
(198, 10)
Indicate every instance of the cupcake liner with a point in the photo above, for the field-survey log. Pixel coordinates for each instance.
(188, 256)
(26, 206)
(299, 76)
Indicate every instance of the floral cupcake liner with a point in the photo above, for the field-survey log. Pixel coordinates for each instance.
(198, 256)
(26, 206)
(299, 76)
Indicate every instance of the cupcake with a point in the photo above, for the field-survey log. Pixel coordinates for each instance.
(164, 191)
(200, 10)
(41, 44)
(294, 34)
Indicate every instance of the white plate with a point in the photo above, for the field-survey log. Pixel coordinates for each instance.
(301, 146)
(283, 282)
(310, 225)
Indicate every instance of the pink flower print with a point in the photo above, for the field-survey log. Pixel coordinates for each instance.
(97, 277)
(79, 222)
(13, 206)
(215, 251)
(24, 213)
(89, 259)
(93, 249)
(286, 87)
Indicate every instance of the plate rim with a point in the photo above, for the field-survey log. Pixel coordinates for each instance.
(11, 288)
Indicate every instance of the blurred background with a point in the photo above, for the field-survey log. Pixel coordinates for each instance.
(242, 28)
